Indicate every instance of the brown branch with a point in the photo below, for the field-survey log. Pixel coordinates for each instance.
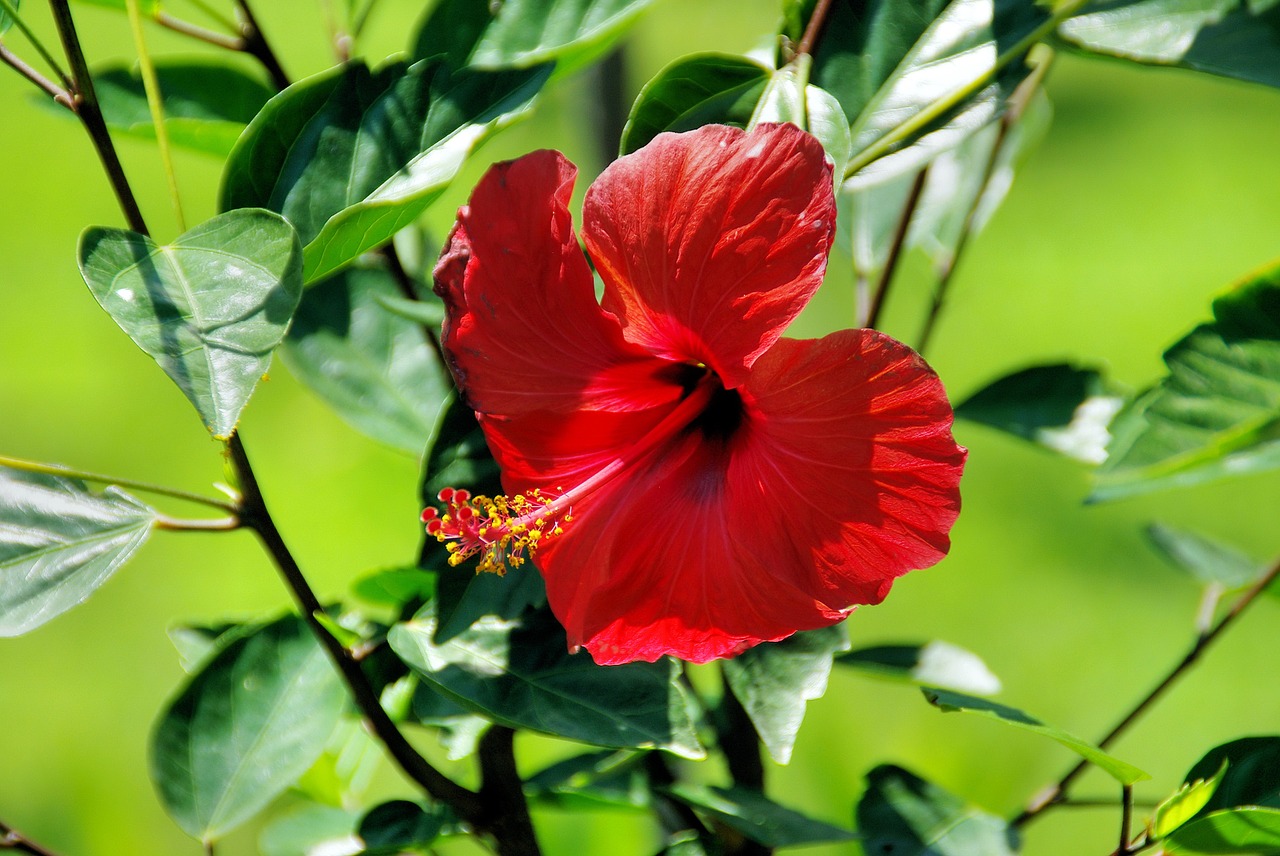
(502, 793)
(11, 839)
(813, 30)
(255, 44)
(895, 250)
(195, 31)
(52, 89)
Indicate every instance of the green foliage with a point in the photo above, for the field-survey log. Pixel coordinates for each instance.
(6, 20)
(694, 91)
(210, 308)
(1252, 776)
(1246, 830)
(904, 815)
(1184, 804)
(757, 817)
(307, 829)
(935, 664)
(612, 779)
(244, 728)
(60, 541)
(1208, 561)
(401, 826)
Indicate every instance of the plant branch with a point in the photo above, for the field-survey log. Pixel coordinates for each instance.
(1126, 818)
(15, 62)
(502, 793)
(131, 484)
(255, 44)
(195, 31)
(34, 41)
(1056, 794)
(85, 104)
(813, 30)
(155, 103)
(176, 524)
(740, 745)
(11, 839)
(895, 250)
(674, 816)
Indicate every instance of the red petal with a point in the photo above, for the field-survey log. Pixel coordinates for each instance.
(523, 330)
(710, 242)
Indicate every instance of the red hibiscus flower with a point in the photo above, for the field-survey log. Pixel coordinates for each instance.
(691, 483)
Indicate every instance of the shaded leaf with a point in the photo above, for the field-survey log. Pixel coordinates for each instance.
(1246, 830)
(5, 20)
(459, 729)
(1252, 777)
(1184, 804)
(520, 674)
(1208, 561)
(351, 156)
(399, 826)
(377, 370)
(592, 780)
(947, 701)
(395, 587)
(1059, 406)
(774, 681)
(756, 816)
(60, 541)
(311, 830)
(210, 307)
(429, 311)
(1217, 411)
(1233, 38)
(244, 728)
(935, 664)
(901, 814)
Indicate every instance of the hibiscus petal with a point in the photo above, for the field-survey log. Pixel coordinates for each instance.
(523, 330)
(711, 242)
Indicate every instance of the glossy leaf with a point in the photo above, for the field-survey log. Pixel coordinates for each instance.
(593, 780)
(522, 33)
(1184, 804)
(1247, 830)
(904, 815)
(351, 156)
(1252, 776)
(519, 673)
(756, 816)
(378, 371)
(399, 826)
(60, 541)
(206, 104)
(1207, 560)
(310, 830)
(947, 701)
(244, 728)
(774, 681)
(1060, 406)
(693, 91)
(1233, 38)
(935, 664)
(210, 308)
(1217, 411)
(5, 20)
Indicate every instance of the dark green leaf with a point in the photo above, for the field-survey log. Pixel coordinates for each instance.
(429, 312)
(209, 308)
(757, 817)
(5, 20)
(244, 728)
(1233, 38)
(521, 674)
(1247, 830)
(684, 843)
(1184, 804)
(593, 780)
(947, 701)
(901, 814)
(775, 680)
(395, 587)
(1252, 777)
(399, 826)
(693, 91)
(1217, 411)
(195, 645)
(1060, 406)
(60, 541)
(308, 830)
(206, 104)
(1209, 561)
(377, 370)
(459, 729)
(521, 33)
(352, 156)
(935, 664)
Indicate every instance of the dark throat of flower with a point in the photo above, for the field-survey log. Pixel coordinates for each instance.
(503, 531)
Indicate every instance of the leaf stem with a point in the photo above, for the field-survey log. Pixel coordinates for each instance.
(131, 484)
(11, 839)
(177, 524)
(362, 18)
(813, 29)
(34, 41)
(155, 103)
(60, 95)
(895, 250)
(1056, 794)
(213, 14)
(255, 44)
(1126, 818)
(195, 31)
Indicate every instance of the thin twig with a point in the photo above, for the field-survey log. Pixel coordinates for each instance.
(195, 31)
(177, 524)
(15, 62)
(131, 484)
(11, 839)
(673, 815)
(408, 288)
(813, 30)
(255, 44)
(35, 42)
(1055, 794)
(1126, 818)
(155, 103)
(214, 14)
(895, 250)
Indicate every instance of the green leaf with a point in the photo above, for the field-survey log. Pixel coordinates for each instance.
(345, 768)
(614, 779)
(309, 830)
(522, 33)
(195, 644)
(459, 729)
(756, 816)
(377, 370)
(1246, 830)
(775, 680)
(209, 308)
(521, 674)
(935, 664)
(60, 541)
(428, 312)
(395, 587)
(1217, 411)
(947, 701)
(1209, 561)
(1060, 406)
(351, 156)
(1184, 804)
(399, 826)
(693, 91)
(244, 728)
(206, 104)
(5, 20)
(1252, 777)
(1233, 38)
(903, 815)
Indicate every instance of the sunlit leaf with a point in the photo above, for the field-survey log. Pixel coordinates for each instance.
(210, 307)
(774, 681)
(395, 587)
(196, 644)
(1209, 561)
(1252, 776)
(1184, 804)
(1217, 411)
(947, 701)
(903, 815)
(377, 370)
(593, 780)
(1063, 407)
(345, 768)
(521, 674)
(311, 830)
(1233, 38)
(244, 728)
(351, 156)
(1247, 830)
(934, 664)
(60, 541)
(756, 816)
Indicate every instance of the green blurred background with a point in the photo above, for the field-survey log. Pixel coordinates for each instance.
(1153, 191)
